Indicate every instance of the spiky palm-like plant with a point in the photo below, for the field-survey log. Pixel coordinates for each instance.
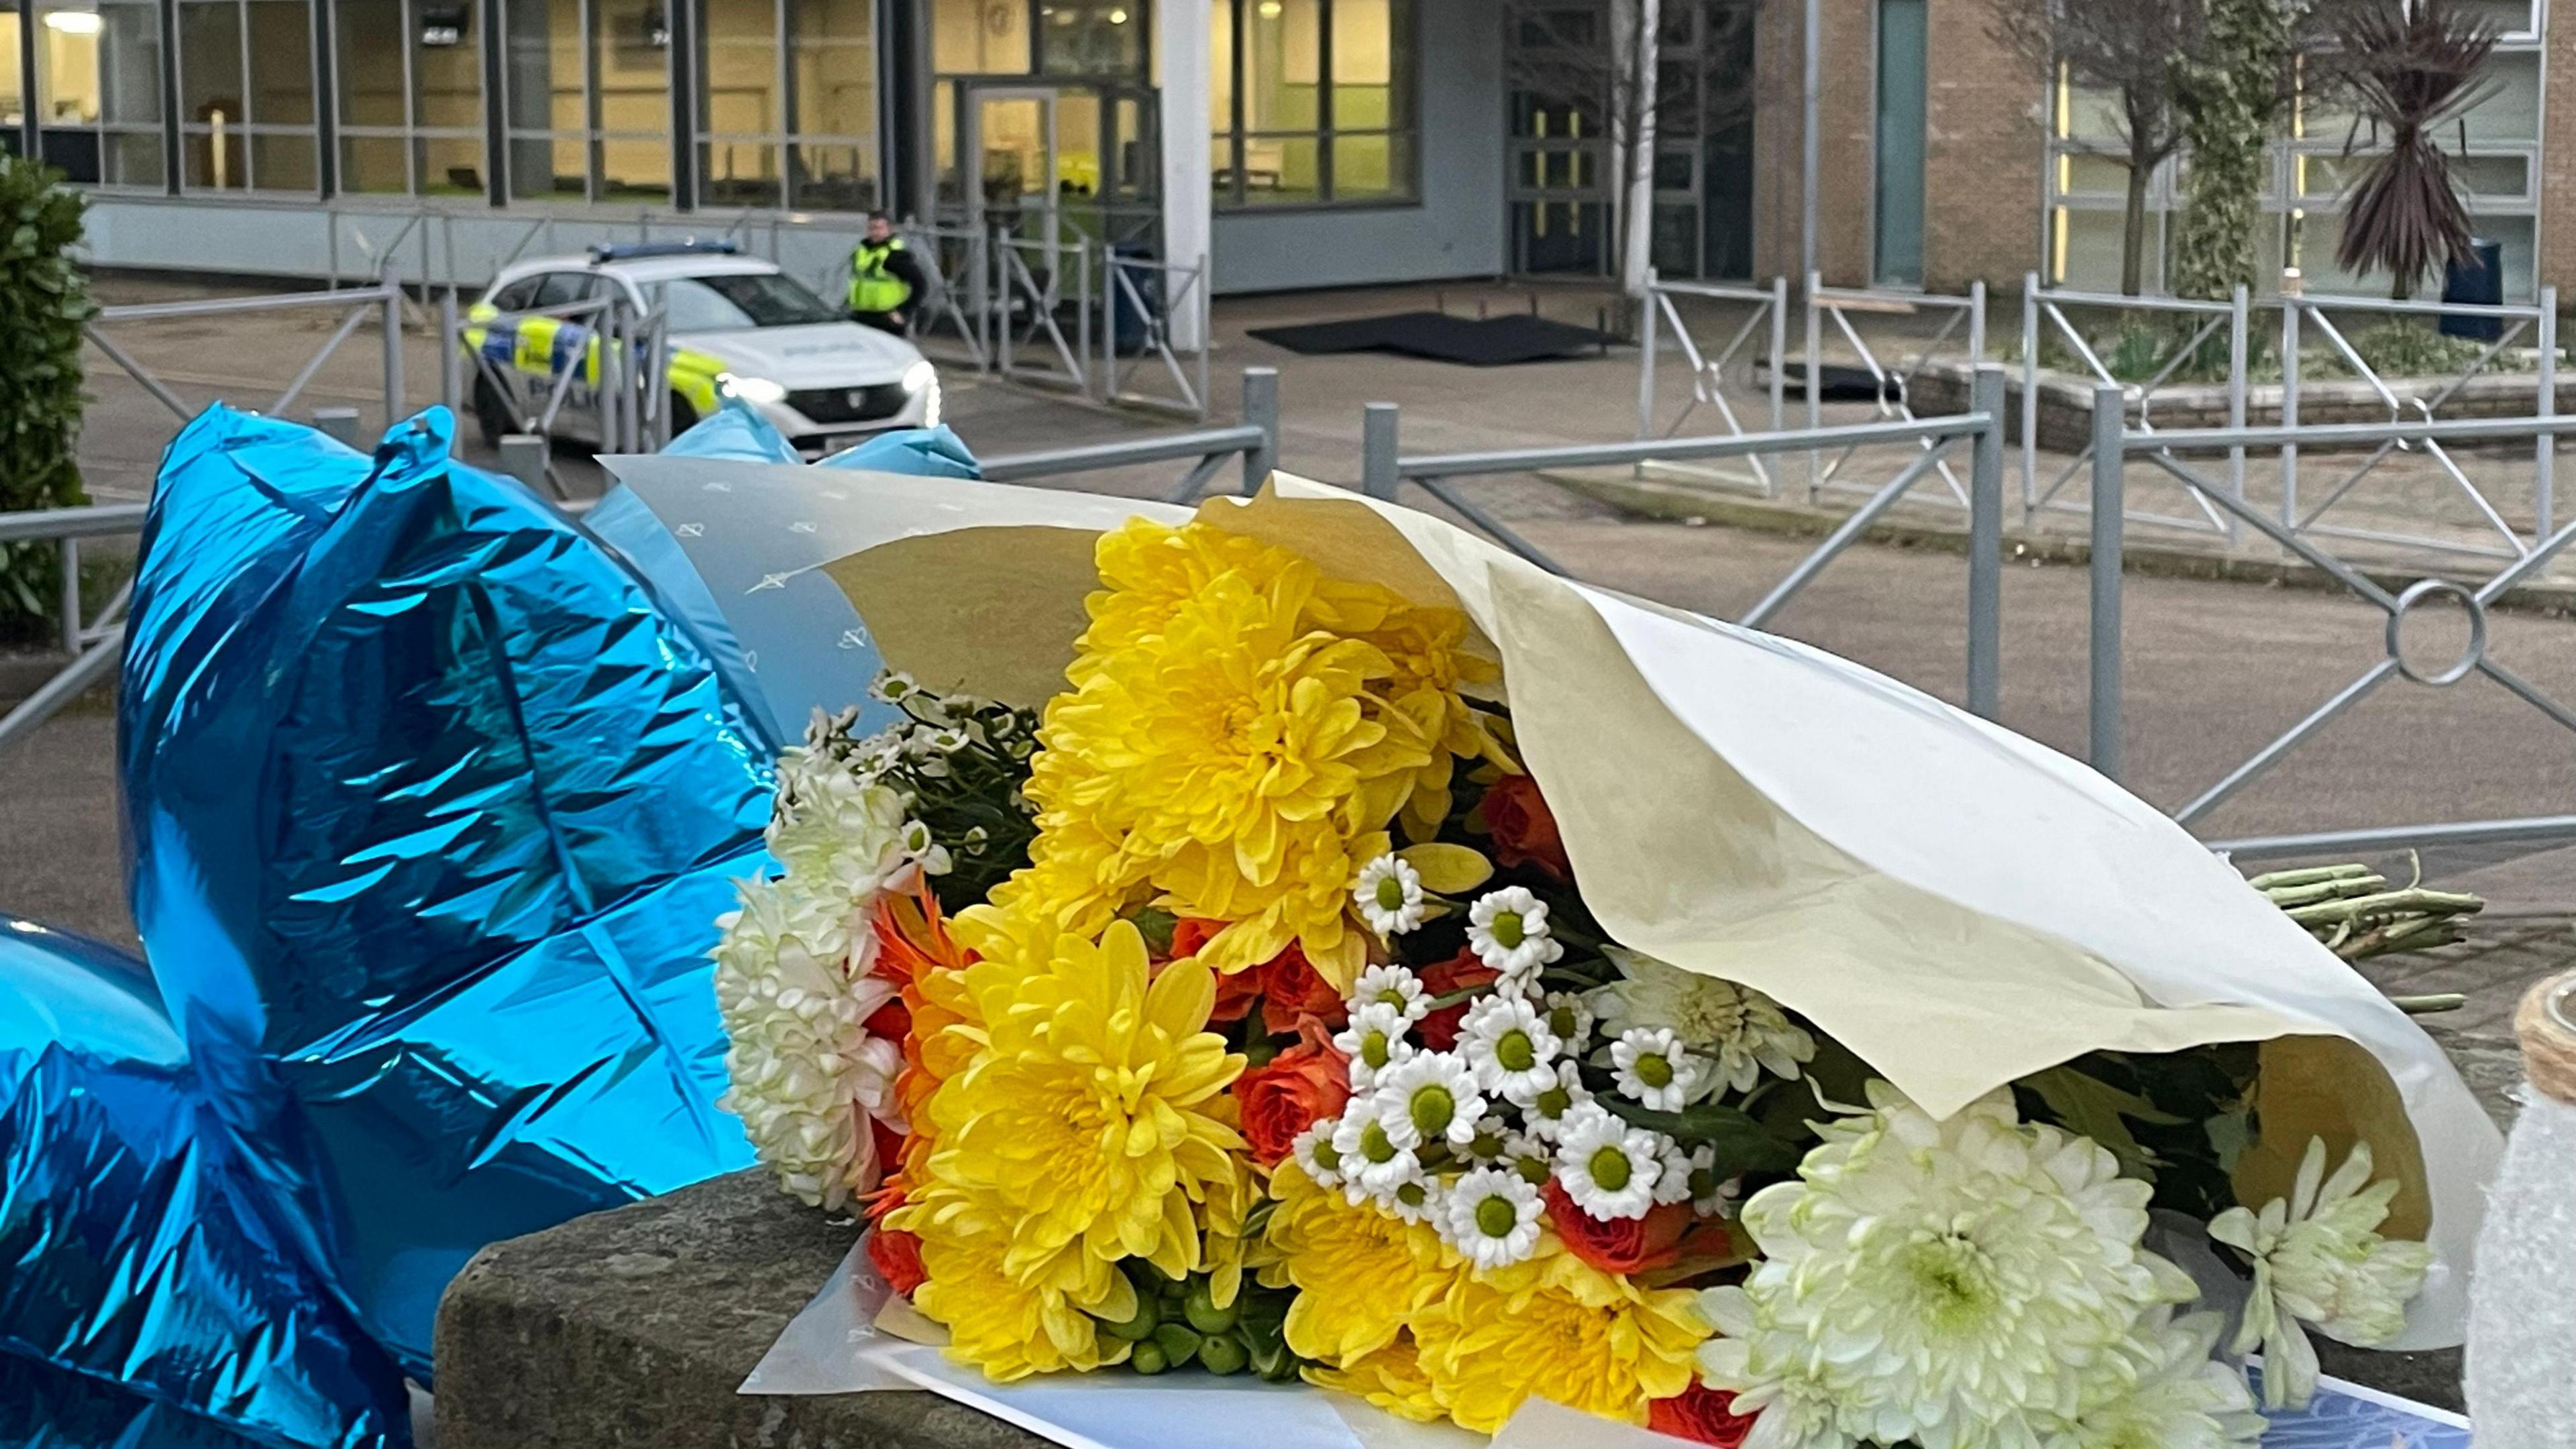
(2409, 67)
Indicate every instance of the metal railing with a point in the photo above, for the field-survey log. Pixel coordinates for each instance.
(2114, 445)
(94, 645)
(1154, 296)
(1711, 369)
(1255, 440)
(1892, 379)
(1384, 469)
(2043, 319)
(383, 301)
(610, 363)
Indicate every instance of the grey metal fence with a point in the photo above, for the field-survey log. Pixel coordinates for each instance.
(1385, 468)
(383, 302)
(2115, 445)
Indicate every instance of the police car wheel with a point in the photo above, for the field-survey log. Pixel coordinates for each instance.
(491, 415)
(683, 416)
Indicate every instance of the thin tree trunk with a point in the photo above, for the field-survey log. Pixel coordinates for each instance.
(1637, 145)
(2133, 235)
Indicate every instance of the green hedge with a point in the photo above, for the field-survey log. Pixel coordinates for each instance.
(44, 299)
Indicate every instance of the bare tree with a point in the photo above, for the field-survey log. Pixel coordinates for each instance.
(1600, 61)
(2130, 49)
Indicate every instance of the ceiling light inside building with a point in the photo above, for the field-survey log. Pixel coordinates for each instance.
(73, 22)
(1117, 17)
(1270, 9)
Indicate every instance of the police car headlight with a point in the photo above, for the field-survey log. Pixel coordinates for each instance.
(920, 376)
(759, 391)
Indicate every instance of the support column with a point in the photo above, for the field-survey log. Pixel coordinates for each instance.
(1182, 60)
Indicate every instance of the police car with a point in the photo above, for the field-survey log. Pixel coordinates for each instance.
(737, 324)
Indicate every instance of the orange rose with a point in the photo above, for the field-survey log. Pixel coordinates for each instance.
(1291, 1092)
(1292, 988)
(1524, 830)
(1622, 1245)
(1439, 1030)
(897, 1255)
(1702, 1414)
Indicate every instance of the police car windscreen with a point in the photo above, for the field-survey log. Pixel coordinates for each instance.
(752, 299)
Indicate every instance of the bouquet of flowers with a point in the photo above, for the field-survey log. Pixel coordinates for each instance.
(1246, 1008)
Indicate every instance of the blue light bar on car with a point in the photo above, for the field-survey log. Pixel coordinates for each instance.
(629, 251)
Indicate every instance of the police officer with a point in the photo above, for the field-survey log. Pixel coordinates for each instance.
(884, 278)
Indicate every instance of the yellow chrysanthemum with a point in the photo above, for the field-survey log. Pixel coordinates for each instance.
(1007, 1325)
(1563, 1330)
(1391, 1378)
(1361, 1274)
(1086, 1119)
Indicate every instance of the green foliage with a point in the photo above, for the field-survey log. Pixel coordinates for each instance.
(44, 299)
(2177, 1119)
(2230, 93)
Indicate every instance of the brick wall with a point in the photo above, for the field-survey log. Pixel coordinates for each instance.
(1984, 145)
(1846, 110)
(2557, 178)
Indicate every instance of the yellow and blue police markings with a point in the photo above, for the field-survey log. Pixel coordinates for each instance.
(542, 347)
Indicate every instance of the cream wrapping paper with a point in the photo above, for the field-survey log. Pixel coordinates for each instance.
(1959, 905)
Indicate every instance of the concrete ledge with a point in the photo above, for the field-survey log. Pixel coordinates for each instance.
(630, 1330)
(1658, 499)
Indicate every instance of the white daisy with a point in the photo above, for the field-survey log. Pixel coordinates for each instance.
(1416, 1197)
(1544, 1112)
(1651, 1069)
(1608, 1167)
(1673, 1184)
(1314, 1151)
(1712, 1195)
(1507, 1041)
(1375, 1041)
(1392, 985)
(1569, 1018)
(1374, 1147)
(1492, 1215)
(1389, 895)
(1436, 1094)
(892, 686)
(1508, 931)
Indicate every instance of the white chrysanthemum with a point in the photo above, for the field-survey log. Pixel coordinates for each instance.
(1392, 985)
(1545, 1111)
(1508, 931)
(1649, 1067)
(1781, 1386)
(1376, 1041)
(1506, 1040)
(844, 834)
(2318, 1257)
(1389, 896)
(1492, 1216)
(804, 1072)
(1608, 1167)
(1437, 1094)
(1743, 1032)
(1375, 1143)
(1313, 1149)
(2183, 1399)
(1943, 1278)
(1569, 1018)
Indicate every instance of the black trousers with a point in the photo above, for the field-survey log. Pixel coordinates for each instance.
(891, 322)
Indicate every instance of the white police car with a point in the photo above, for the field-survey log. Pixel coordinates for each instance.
(736, 323)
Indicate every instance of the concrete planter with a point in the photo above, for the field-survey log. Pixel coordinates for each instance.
(2066, 401)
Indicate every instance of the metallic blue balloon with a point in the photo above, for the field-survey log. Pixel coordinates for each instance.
(921, 452)
(432, 812)
(150, 1292)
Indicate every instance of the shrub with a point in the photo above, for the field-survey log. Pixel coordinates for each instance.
(44, 299)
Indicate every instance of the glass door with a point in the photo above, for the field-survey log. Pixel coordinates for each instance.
(1010, 138)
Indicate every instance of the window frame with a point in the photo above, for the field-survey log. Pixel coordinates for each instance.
(191, 131)
(787, 143)
(1404, 76)
(36, 94)
(412, 132)
(594, 136)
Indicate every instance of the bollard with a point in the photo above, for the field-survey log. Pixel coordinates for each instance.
(340, 425)
(523, 456)
(1986, 545)
(1378, 450)
(1261, 410)
(2110, 464)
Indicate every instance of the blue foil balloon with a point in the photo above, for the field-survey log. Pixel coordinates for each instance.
(432, 811)
(151, 1292)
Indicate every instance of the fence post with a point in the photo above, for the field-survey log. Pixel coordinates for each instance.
(390, 279)
(70, 585)
(1378, 451)
(1779, 354)
(1815, 384)
(1646, 365)
(2239, 358)
(2289, 401)
(2029, 397)
(523, 456)
(2544, 476)
(2110, 462)
(449, 343)
(1977, 321)
(1261, 410)
(1986, 545)
(1084, 382)
(338, 424)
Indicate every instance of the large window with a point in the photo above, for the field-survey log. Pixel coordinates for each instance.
(411, 96)
(588, 97)
(1313, 101)
(246, 96)
(787, 115)
(98, 90)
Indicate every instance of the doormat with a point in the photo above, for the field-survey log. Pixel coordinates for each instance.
(1842, 383)
(1474, 341)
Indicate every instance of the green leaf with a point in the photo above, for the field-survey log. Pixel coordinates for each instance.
(1741, 1143)
(2091, 1107)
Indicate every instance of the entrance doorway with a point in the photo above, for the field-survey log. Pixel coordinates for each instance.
(1055, 162)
